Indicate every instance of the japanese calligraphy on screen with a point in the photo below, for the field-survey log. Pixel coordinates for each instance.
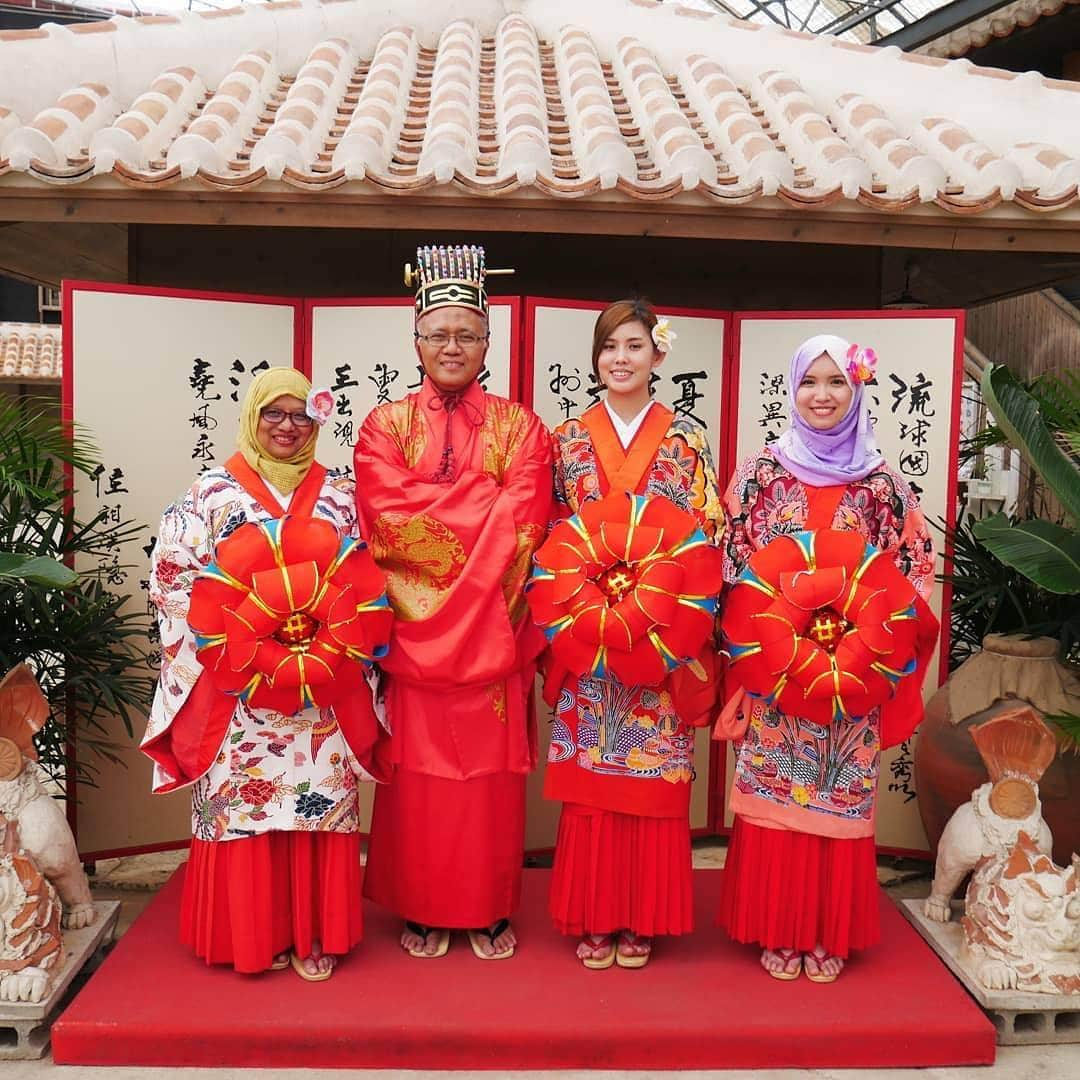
(563, 385)
(364, 353)
(912, 400)
(157, 381)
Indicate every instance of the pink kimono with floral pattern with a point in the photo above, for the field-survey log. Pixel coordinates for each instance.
(791, 773)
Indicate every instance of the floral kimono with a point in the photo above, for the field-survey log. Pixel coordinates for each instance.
(629, 748)
(258, 770)
(791, 773)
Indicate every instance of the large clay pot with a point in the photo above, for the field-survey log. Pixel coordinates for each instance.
(947, 764)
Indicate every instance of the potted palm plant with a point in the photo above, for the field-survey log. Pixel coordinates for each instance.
(85, 644)
(1019, 578)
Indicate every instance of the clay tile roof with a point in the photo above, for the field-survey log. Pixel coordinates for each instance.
(998, 24)
(557, 99)
(29, 351)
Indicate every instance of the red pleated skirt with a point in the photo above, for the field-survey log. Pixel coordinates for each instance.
(447, 853)
(791, 890)
(621, 872)
(245, 901)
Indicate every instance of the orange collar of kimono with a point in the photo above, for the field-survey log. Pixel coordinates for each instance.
(304, 497)
(624, 470)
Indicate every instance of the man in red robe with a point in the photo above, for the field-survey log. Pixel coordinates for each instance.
(454, 490)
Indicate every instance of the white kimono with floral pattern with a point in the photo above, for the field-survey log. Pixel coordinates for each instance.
(268, 773)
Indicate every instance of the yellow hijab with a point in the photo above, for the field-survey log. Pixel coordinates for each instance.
(285, 474)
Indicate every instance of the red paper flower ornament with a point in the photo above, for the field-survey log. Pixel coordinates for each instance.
(821, 625)
(626, 587)
(288, 613)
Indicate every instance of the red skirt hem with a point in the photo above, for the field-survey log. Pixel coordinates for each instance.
(616, 871)
(246, 901)
(789, 890)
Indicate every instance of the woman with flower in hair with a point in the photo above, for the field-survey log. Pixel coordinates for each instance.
(621, 757)
(801, 878)
(273, 878)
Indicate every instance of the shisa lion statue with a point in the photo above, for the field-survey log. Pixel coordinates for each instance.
(1021, 927)
(1022, 922)
(41, 878)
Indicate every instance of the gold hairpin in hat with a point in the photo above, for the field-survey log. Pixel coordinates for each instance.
(412, 274)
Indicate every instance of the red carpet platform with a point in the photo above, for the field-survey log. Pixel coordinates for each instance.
(702, 1003)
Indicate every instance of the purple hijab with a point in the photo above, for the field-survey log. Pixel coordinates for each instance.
(842, 454)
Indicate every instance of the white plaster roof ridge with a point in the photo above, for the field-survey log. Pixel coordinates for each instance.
(732, 125)
(450, 142)
(375, 125)
(520, 102)
(675, 147)
(594, 128)
(217, 133)
(303, 119)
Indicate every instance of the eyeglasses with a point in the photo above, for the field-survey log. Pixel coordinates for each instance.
(439, 340)
(277, 416)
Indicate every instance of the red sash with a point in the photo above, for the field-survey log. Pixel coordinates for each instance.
(821, 504)
(625, 469)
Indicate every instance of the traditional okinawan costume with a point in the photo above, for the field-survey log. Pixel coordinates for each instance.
(621, 755)
(275, 854)
(801, 870)
(455, 491)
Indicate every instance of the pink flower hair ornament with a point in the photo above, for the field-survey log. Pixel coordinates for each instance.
(861, 364)
(320, 404)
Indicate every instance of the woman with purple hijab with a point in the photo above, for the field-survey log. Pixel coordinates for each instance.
(801, 875)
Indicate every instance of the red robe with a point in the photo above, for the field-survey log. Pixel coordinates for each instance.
(453, 521)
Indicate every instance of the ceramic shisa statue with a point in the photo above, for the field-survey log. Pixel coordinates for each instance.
(1021, 922)
(41, 878)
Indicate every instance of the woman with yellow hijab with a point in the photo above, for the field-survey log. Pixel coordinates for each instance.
(274, 873)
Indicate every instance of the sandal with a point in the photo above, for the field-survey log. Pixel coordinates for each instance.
(491, 933)
(632, 960)
(420, 930)
(786, 973)
(818, 958)
(307, 976)
(598, 941)
(280, 963)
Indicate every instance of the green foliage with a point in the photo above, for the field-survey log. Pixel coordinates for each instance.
(1069, 725)
(1020, 415)
(1048, 554)
(88, 655)
(1012, 576)
(990, 597)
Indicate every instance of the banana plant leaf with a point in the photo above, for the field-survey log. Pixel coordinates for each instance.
(36, 569)
(1046, 553)
(1020, 417)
